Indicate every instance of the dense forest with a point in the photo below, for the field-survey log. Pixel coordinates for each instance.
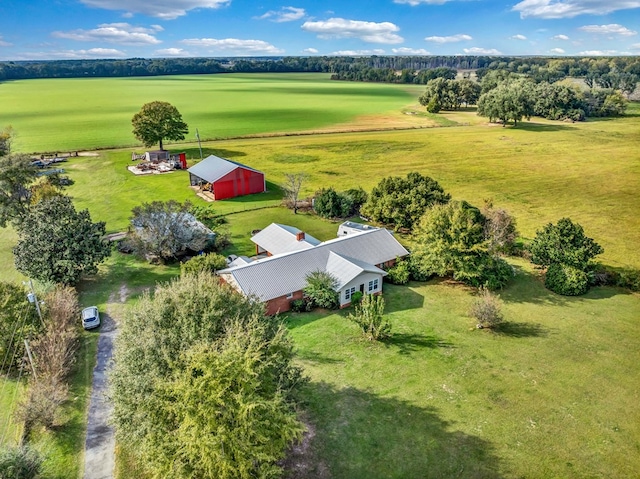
(405, 69)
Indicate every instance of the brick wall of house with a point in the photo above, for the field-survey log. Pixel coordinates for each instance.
(282, 304)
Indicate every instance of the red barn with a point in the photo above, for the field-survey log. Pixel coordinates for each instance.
(226, 178)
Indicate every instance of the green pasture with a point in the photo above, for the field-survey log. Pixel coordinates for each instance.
(83, 113)
(552, 394)
(540, 171)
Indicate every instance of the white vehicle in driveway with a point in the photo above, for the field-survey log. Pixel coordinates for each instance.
(90, 317)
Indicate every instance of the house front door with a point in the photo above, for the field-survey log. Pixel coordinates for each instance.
(362, 288)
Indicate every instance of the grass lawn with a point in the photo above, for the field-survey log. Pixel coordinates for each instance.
(11, 392)
(81, 113)
(552, 395)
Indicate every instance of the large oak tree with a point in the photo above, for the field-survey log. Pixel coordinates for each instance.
(157, 121)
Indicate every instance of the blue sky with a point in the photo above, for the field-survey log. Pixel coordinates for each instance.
(73, 29)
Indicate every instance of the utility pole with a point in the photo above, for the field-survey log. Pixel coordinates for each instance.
(199, 145)
(33, 366)
(34, 299)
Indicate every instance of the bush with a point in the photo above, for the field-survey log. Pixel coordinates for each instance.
(628, 278)
(321, 290)
(356, 298)
(211, 262)
(496, 274)
(399, 273)
(301, 306)
(19, 463)
(566, 280)
(369, 317)
(486, 309)
(329, 203)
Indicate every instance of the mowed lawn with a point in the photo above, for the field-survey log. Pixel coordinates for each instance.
(81, 113)
(553, 394)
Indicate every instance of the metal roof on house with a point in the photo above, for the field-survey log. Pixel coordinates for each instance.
(280, 275)
(213, 168)
(346, 269)
(279, 239)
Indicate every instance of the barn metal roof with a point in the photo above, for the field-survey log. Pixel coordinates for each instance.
(213, 168)
(278, 239)
(280, 275)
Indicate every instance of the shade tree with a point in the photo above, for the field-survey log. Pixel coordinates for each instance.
(401, 202)
(450, 241)
(158, 121)
(203, 384)
(58, 244)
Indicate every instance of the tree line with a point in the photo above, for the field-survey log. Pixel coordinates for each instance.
(396, 69)
(504, 96)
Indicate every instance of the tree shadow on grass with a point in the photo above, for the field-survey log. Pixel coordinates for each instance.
(521, 330)
(401, 298)
(409, 343)
(533, 126)
(357, 434)
(315, 357)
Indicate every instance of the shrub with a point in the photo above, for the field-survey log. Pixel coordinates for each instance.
(321, 290)
(369, 317)
(329, 203)
(496, 274)
(301, 305)
(358, 198)
(210, 262)
(486, 309)
(628, 278)
(19, 463)
(356, 298)
(566, 280)
(399, 273)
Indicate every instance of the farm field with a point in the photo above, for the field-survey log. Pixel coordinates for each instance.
(76, 114)
(552, 395)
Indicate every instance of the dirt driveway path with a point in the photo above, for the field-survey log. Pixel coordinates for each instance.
(99, 457)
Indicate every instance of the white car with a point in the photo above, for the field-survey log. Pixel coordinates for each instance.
(90, 317)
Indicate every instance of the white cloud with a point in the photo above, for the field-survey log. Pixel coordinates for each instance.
(356, 53)
(410, 51)
(165, 9)
(597, 53)
(481, 51)
(610, 29)
(557, 51)
(371, 32)
(3, 43)
(172, 52)
(311, 51)
(635, 46)
(75, 54)
(235, 46)
(121, 33)
(286, 14)
(560, 37)
(571, 8)
(518, 37)
(460, 37)
(413, 3)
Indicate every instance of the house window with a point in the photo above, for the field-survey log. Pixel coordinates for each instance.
(349, 292)
(373, 285)
(290, 295)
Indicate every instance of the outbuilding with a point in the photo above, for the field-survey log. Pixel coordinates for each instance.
(226, 178)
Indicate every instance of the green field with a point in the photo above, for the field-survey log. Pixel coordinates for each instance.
(75, 114)
(552, 396)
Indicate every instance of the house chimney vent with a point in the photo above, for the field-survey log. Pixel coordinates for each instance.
(300, 236)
